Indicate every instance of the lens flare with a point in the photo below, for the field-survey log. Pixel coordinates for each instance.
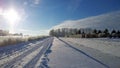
(12, 17)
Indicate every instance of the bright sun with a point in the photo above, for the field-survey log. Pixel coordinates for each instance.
(12, 16)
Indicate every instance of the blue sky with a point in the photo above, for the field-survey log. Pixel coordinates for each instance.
(41, 15)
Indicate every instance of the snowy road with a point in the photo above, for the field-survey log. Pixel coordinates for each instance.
(61, 53)
(27, 58)
(65, 56)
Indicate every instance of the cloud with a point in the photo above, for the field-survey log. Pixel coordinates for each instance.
(36, 2)
(32, 3)
(109, 20)
(25, 3)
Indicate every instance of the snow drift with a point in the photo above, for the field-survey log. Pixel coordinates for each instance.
(109, 20)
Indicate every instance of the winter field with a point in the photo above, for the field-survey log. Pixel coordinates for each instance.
(52, 52)
(24, 55)
(13, 40)
(105, 50)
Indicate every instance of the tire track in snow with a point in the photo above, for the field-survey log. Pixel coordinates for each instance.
(18, 53)
(11, 63)
(26, 59)
(33, 62)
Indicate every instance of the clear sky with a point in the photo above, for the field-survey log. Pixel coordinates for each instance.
(38, 16)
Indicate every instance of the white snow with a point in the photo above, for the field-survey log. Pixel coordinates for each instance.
(63, 56)
(63, 53)
(109, 20)
(111, 46)
(11, 56)
(103, 49)
(22, 55)
(25, 60)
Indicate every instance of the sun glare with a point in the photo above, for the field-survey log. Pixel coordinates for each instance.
(12, 17)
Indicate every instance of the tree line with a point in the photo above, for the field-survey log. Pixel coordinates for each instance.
(85, 33)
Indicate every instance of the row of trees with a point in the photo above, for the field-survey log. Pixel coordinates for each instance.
(85, 33)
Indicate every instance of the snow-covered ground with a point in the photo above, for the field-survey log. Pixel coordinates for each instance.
(62, 53)
(111, 46)
(104, 50)
(24, 55)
